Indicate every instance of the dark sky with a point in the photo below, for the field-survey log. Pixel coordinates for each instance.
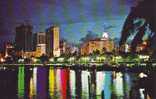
(75, 17)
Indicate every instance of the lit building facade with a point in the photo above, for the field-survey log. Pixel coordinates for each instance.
(63, 47)
(97, 44)
(9, 49)
(142, 47)
(40, 44)
(67, 48)
(103, 44)
(53, 41)
(126, 48)
(23, 38)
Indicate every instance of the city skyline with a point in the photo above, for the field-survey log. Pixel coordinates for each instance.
(77, 49)
(74, 18)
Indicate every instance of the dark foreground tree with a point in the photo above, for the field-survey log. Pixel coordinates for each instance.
(140, 25)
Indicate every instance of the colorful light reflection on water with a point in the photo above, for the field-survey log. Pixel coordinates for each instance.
(50, 83)
(21, 82)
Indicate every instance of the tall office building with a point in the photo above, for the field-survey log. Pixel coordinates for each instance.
(41, 43)
(52, 41)
(23, 39)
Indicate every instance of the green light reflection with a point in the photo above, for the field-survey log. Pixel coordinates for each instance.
(21, 81)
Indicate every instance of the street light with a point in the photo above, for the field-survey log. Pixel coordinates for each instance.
(61, 59)
(51, 59)
(85, 59)
(2, 60)
(100, 58)
(21, 60)
(71, 59)
(34, 60)
(142, 75)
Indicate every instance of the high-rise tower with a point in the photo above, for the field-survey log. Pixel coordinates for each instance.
(23, 39)
(52, 41)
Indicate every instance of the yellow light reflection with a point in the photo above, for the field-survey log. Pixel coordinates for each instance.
(33, 83)
(51, 82)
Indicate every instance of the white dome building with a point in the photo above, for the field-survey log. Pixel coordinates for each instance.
(105, 36)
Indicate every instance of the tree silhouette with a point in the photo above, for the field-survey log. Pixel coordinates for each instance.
(141, 21)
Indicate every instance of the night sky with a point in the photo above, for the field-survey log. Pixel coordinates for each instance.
(75, 17)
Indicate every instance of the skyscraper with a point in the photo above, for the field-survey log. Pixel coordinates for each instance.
(52, 41)
(41, 43)
(23, 39)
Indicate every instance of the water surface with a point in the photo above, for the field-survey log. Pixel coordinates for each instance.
(54, 83)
